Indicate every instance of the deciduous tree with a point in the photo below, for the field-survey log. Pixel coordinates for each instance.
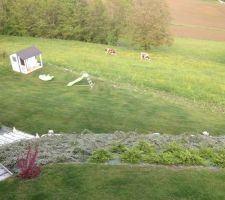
(148, 23)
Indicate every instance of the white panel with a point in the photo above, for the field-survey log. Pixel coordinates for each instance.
(14, 63)
(31, 63)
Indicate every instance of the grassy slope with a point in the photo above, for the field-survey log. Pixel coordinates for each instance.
(68, 181)
(163, 95)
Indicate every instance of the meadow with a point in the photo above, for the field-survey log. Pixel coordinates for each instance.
(70, 181)
(182, 89)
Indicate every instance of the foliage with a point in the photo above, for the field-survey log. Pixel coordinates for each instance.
(145, 147)
(171, 154)
(215, 156)
(100, 21)
(219, 158)
(132, 155)
(27, 166)
(206, 152)
(152, 157)
(100, 156)
(118, 148)
(176, 154)
(148, 23)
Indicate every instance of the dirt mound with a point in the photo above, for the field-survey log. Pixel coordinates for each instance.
(197, 19)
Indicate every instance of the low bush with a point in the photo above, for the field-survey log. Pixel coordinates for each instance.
(152, 157)
(148, 152)
(214, 156)
(176, 154)
(118, 148)
(132, 155)
(100, 156)
(172, 147)
(171, 154)
(206, 152)
(145, 147)
(195, 159)
(168, 158)
(219, 158)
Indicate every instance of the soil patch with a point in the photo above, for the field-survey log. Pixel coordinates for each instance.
(197, 19)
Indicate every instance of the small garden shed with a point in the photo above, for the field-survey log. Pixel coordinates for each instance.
(26, 60)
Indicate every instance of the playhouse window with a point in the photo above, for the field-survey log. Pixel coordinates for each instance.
(14, 59)
(22, 61)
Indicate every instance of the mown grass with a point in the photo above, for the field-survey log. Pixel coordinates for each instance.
(69, 181)
(181, 90)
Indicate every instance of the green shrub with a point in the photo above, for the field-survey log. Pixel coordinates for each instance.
(172, 147)
(219, 158)
(152, 157)
(132, 156)
(118, 148)
(215, 156)
(145, 147)
(176, 154)
(206, 152)
(168, 158)
(170, 154)
(148, 152)
(100, 156)
(191, 157)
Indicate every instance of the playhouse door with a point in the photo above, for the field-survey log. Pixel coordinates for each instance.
(14, 63)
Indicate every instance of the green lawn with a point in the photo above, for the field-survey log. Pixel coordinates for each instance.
(181, 90)
(96, 182)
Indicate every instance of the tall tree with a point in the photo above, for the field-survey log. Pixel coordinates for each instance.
(100, 21)
(148, 23)
(5, 16)
(116, 13)
(76, 21)
(97, 22)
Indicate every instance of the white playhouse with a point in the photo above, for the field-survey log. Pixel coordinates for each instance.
(26, 60)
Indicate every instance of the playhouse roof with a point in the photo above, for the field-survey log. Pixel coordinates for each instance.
(28, 52)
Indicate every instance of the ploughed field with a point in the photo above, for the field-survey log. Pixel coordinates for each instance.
(201, 19)
(182, 89)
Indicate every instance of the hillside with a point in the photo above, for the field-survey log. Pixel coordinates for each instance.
(112, 122)
(180, 90)
(198, 19)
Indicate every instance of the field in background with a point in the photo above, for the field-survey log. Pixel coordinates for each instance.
(96, 182)
(181, 90)
(201, 19)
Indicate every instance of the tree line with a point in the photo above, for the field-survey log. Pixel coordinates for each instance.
(143, 22)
